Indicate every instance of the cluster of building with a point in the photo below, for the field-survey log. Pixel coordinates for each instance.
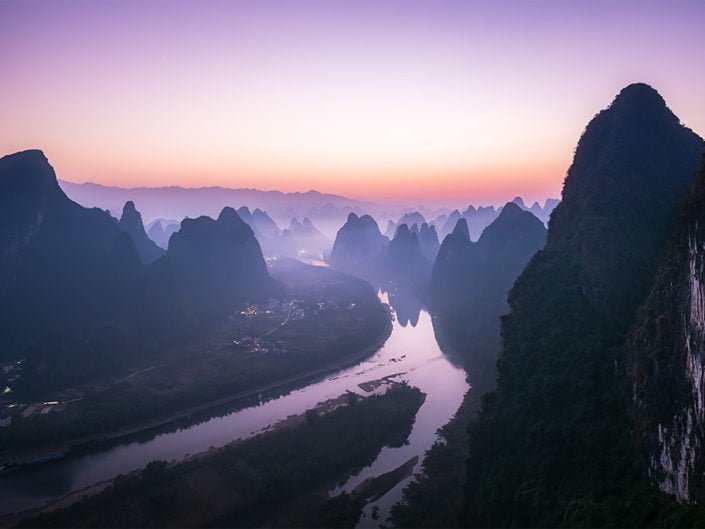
(260, 346)
(25, 411)
(9, 408)
(289, 308)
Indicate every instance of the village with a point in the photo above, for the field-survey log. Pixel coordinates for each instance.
(282, 310)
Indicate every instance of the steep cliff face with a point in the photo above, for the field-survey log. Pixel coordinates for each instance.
(552, 444)
(668, 359)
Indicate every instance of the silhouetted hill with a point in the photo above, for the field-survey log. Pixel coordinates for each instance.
(470, 280)
(428, 241)
(552, 445)
(74, 296)
(157, 234)
(478, 219)
(308, 238)
(262, 224)
(404, 262)
(359, 247)
(390, 230)
(131, 223)
(218, 264)
(450, 223)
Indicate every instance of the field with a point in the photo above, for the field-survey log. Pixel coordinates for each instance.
(325, 320)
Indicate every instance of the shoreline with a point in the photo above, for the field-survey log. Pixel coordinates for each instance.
(68, 448)
(75, 496)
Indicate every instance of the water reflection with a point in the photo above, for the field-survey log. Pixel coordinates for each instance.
(411, 350)
(407, 306)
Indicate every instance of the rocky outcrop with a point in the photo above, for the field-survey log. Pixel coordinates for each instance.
(131, 223)
(668, 360)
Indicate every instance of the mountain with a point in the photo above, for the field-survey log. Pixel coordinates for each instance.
(404, 262)
(157, 234)
(359, 247)
(479, 218)
(542, 213)
(308, 238)
(390, 230)
(262, 224)
(470, 281)
(450, 223)
(74, 295)
(428, 241)
(218, 264)
(160, 230)
(411, 218)
(552, 445)
(131, 223)
(520, 202)
(329, 218)
(179, 202)
(667, 358)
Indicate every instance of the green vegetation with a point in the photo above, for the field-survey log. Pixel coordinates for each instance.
(351, 323)
(278, 478)
(434, 499)
(553, 445)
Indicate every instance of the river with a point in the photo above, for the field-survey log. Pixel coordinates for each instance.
(411, 353)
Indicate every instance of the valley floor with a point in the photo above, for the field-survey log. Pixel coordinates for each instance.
(328, 321)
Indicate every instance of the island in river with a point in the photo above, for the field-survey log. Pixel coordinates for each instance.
(279, 478)
(325, 320)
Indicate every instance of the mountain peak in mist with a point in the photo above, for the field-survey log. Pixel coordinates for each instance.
(358, 245)
(131, 223)
(461, 229)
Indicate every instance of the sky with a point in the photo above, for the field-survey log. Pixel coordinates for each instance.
(436, 102)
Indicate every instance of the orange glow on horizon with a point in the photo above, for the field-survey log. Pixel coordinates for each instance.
(469, 102)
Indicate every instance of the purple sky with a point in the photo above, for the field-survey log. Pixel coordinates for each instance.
(436, 101)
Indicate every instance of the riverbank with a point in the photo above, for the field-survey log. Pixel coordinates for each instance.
(20, 457)
(233, 485)
(434, 499)
(321, 409)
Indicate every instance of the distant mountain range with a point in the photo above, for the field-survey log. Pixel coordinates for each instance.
(327, 211)
(180, 202)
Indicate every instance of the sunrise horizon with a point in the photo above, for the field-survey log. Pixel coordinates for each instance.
(466, 102)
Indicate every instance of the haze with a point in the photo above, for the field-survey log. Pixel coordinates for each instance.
(390, 101)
